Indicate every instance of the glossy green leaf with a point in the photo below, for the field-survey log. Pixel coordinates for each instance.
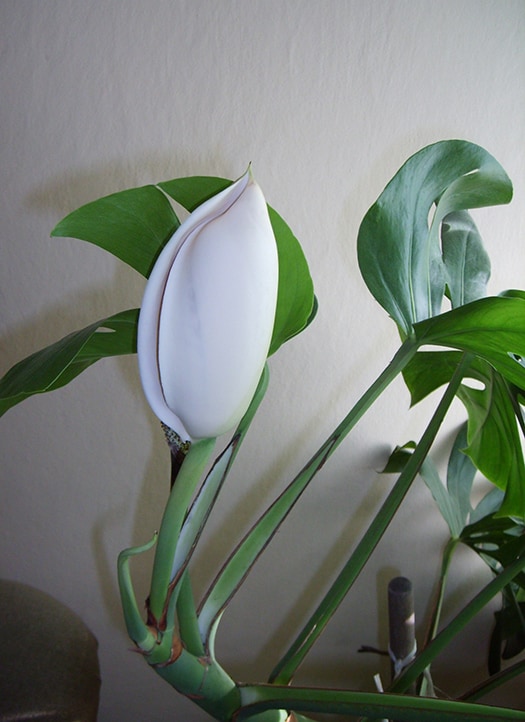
(491, 328)
(499, 540)
(134, 225)
(295, 301)
(428, 371)
(493, 440)
(58, 364)
(466, 262)
(296, 305)
(398, 249)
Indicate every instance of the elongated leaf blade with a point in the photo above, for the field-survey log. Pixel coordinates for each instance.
(58, 364)
(295, 301)
(398, 250)
(134, 225)
(467, 264)
(445, 502)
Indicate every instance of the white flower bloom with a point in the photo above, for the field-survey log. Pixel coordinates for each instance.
(207, 315)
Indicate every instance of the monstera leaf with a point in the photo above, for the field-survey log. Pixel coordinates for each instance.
(399, 251)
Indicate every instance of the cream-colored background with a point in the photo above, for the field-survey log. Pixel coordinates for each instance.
(327, 98)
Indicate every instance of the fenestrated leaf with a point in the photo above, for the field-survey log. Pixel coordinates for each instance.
(467, 264)
(134, 225)
(398, 251)
(497, 539)
(58, 364)
(491, 328)
(295, 301)
(493, 440)
(509, 630)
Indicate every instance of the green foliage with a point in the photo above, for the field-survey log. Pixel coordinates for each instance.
(493, 438)
(134, 225)
(491, 328)
(60, 363)
(399, 251)
(466, 263)
(508, 636)
(417, 245)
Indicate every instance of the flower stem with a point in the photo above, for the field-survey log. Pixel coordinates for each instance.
(180, 497)
(285, 669)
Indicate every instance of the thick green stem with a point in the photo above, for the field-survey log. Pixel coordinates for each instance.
(181, 494)
(373, 705)
(204, 682)
(242, 559)
(285, 669)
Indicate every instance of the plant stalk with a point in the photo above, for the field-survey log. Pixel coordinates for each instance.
(286, 668)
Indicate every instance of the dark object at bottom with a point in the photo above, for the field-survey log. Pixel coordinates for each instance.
(49, 668)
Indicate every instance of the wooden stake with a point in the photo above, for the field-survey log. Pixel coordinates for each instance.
(401, 623)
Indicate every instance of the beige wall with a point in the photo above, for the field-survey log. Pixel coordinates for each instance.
(326, 99)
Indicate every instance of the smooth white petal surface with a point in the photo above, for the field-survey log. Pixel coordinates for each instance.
(207, 315)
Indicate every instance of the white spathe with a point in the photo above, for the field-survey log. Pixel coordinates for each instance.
(208, 312)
